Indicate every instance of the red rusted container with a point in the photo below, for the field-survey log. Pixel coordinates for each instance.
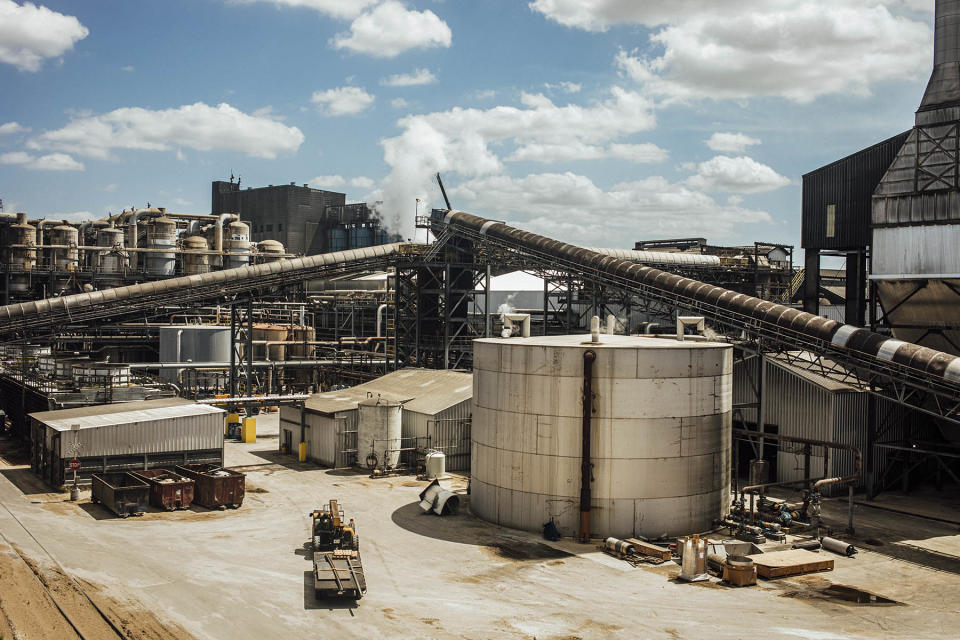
(123, 493)
(216, 487)
(168, 490)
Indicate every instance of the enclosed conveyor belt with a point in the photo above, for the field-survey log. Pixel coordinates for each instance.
(874, 357)
(115, 304)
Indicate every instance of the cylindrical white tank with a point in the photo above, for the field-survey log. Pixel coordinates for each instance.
(660, 433)
(101, 374)
(436, 465)
(23, 259)
(112, 261)
(194, 260)
(193, 343)
(237, 243)
(379, 432)
(269, 251)
(162, 235)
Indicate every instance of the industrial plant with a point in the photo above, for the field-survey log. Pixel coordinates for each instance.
(284, 389)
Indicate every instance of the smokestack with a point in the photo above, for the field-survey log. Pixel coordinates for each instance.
(943, 89)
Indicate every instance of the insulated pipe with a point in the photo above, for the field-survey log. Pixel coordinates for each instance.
(595, 329)
(589, 356)
(40, 224)
(380, 310)
(792, 328)
(223, 217)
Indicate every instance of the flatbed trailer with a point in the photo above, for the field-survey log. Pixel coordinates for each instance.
(338, 573)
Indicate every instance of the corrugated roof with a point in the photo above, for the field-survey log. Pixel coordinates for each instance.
(828, 384)
(427, 391)
(103, 409)
(131, 412)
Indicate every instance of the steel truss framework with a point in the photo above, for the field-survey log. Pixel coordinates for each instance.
(901, 384)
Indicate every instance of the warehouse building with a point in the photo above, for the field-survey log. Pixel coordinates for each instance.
(435, 415)
(124, 437)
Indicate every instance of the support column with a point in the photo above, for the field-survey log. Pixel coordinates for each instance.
(856, 288)
(811, 281)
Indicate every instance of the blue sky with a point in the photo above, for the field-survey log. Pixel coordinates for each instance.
(593, 121)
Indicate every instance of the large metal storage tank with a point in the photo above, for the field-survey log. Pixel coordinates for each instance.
(379, 432)
(237, 243)
(112, 261)
(162, 234)
(269, 333)
(660, 432)
(24, 258)
(303, 335)
(195, 260)
(194, 343)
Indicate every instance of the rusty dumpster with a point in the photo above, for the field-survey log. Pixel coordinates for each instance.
(215, 487)
(121, 492)
(168, 490)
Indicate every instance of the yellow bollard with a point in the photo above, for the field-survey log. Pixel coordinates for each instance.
(303, 452)
(248, 430)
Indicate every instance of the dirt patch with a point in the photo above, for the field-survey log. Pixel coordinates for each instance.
(250, 489)
(134, 620)
(26, 609)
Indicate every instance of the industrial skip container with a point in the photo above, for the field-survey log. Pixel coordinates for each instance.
(123, 493)
(216, 487)
(168, 490)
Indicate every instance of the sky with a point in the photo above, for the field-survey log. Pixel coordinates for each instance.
(596, 122)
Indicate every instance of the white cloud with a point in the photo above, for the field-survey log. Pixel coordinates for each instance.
(735, 175)
(336, 181)
(463, 140)
(334, 8)
(416, 78)
(9, 128)
(111, 188)
(74, 216)
(197, 126)
(794, 50)
(128, 68)
(390, 29)
(574, 150)
(49, 162)
(484, 94)
(342, 101)
(731, 142)
(568, 87)
(570, 207)
(399, 103)
(30, 34)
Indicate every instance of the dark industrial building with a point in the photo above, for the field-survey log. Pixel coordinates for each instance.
(836, 221)
(307, 221)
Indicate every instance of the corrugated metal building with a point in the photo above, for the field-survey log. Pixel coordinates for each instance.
(120, 437)
(804, 404)
(436, 413)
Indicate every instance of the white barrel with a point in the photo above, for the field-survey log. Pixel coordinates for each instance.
(379, 432)
(660, 433)
(436, 465)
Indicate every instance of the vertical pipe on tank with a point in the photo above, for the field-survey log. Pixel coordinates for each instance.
(586, 468)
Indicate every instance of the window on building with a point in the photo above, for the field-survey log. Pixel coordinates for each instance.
(831, 220)
(269, 228)
(280, 227)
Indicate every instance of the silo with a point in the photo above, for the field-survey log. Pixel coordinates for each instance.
(379, 432)
(193, 343)
(112, 261)
(162, 234)
(194, 263)
(269, 251)
(237, 243)
(659, 433)
(65, 258)
(25, 258)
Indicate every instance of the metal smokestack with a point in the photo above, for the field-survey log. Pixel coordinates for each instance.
(943, 89)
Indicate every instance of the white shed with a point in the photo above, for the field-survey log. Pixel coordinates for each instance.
(436, 415)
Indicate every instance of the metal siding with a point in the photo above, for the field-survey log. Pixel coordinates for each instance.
(179, 433)
(800, 407)
(916, 250)
(848, 183)
(453, 439)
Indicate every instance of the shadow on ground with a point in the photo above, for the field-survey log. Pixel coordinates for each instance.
(465, 528)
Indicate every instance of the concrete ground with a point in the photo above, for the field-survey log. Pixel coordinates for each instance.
(244, 574)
